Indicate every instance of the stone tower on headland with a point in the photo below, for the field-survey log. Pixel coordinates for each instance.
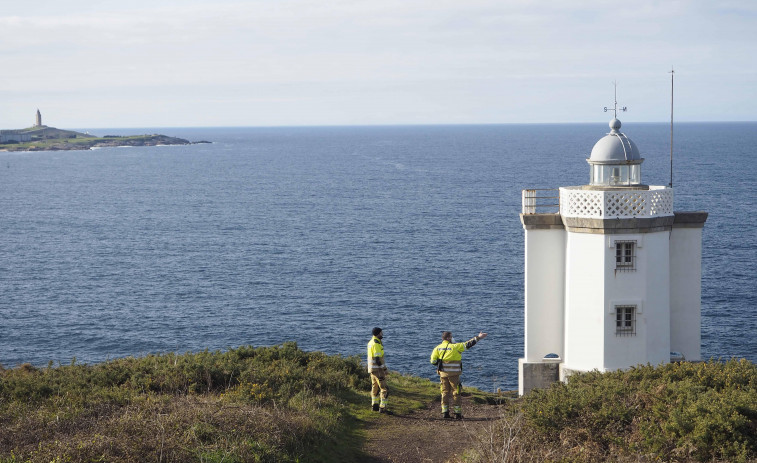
(38, 121)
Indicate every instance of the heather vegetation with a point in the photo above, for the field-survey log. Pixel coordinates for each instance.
(247, 404)
(281, 404)
(678, 412)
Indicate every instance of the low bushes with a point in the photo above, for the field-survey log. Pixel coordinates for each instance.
(247, 404)
(675, 412)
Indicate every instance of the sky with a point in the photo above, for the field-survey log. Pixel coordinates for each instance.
(188, 63)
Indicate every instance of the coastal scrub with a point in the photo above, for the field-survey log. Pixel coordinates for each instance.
(679, 412)
(248, 404)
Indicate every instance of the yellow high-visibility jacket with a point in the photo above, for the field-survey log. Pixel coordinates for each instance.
(448, 356)
(376, 363)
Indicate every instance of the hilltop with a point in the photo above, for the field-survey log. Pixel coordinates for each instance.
(53, 133)
(265, 404)
(282, 404)
(44, 138)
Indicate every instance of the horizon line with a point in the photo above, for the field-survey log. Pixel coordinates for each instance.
(471, 124)
(467, 124)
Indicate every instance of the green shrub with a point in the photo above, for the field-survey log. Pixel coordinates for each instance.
(675, 412)
(273, 404)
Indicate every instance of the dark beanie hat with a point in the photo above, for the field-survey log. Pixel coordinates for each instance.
(376, 331)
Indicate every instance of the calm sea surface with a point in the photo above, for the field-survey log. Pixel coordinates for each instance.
(319, 234)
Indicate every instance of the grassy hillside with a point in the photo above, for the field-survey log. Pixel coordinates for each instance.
(52, 133)
(281, 404)
(273, 404)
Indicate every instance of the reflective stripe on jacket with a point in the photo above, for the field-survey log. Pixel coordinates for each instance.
(376, 362)
(451, 356)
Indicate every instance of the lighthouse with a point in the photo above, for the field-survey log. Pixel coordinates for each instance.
(613, 279)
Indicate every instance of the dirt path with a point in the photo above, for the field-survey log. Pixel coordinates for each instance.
(424, 437)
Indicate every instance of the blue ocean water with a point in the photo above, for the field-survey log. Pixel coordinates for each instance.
(319, 234)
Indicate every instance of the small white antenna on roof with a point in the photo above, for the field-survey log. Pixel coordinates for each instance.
(616, 109)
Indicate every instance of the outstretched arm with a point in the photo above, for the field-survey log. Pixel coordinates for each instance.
(472, 342)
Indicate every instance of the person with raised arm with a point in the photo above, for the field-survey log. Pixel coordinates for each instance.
(448, 359)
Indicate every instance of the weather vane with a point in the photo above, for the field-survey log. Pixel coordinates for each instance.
(616, 109)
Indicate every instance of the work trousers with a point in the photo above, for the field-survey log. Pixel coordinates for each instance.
(378, 386)
(450, 388)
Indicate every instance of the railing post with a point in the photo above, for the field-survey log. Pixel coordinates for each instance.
(529, 201)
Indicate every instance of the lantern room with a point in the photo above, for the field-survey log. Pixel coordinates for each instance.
(615, 160)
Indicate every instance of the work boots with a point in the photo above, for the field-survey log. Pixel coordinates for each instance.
(446, 416)
(375, 407)
(458, 416)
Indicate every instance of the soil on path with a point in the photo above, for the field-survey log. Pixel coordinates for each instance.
(425, 437)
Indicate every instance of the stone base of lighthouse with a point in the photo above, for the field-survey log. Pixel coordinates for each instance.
(537, 375)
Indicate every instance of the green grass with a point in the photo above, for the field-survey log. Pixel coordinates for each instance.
(267, 404)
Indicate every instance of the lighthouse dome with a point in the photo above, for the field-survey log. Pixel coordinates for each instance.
(615, 160)
(615, 147)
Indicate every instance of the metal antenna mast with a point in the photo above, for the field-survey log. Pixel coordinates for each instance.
(615, 108)
(672, 74)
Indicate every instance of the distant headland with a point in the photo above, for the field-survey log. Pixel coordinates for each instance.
(41, 137)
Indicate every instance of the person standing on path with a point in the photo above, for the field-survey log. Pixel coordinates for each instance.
(448, 359)
(378, 370)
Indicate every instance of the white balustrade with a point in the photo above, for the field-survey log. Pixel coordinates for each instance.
(604, 204)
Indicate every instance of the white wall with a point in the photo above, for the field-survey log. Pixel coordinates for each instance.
(648, 289)
(544, 290)
(585, 301)
(625, 288)
(686, 292)
(657, 304)
(594, 288)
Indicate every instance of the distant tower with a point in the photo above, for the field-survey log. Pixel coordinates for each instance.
(39, 119)
(614, 279)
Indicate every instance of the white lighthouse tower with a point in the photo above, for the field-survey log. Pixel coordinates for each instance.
(614, 279)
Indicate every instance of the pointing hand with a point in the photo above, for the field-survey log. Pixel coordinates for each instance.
(481, 335)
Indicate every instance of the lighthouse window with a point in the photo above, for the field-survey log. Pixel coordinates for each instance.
(625, 255)
(625, 320)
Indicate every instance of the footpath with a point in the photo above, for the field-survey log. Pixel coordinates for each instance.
(423, 436)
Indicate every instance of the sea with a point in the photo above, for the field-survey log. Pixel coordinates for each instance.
(318, 234)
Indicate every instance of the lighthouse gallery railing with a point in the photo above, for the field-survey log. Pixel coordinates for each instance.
(541, 201)
(577, 202)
